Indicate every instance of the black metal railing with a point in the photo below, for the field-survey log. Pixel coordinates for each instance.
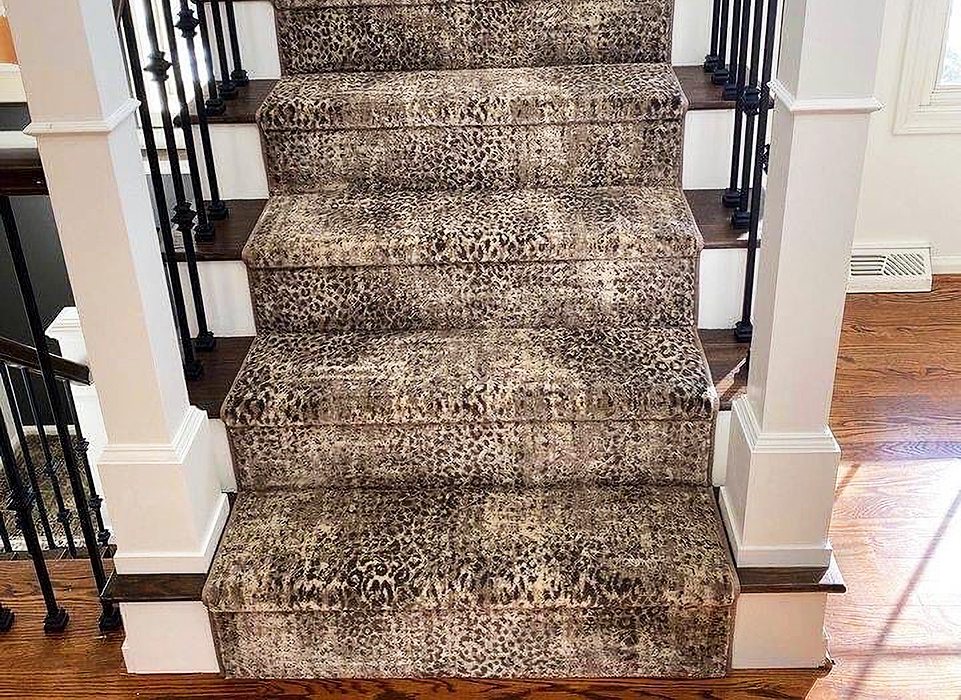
(191, 53)
(741, 60)
(49, 480)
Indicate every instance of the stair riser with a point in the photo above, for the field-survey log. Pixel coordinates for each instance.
(472, 454)
(548, 643)
(572, 294)
(473, 158)
(503, 33)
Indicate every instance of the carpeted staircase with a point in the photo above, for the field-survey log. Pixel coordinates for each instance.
(473, 435)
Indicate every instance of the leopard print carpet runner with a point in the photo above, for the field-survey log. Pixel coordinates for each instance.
(473, 436)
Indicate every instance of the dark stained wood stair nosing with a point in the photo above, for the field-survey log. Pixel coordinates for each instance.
(726, 357)
(696, 84)
(154, 588)
(232, 233)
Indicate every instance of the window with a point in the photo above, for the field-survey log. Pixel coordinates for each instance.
(951, 65)
(929, 97)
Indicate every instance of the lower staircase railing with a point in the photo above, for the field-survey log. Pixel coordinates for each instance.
(744, 38)
(49, 481)
(192, 55)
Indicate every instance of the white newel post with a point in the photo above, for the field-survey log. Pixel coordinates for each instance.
(160, 475)
(782, 457)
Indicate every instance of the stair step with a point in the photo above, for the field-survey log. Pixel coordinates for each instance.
(496, 128)
(499, 583)
(566, 256)
(411, 35)
(472, 408)
(474, 375)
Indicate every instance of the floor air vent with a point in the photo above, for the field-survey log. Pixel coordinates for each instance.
(890, 270)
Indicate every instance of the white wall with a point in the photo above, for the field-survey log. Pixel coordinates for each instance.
(911, 191)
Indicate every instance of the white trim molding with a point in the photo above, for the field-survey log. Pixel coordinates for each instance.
(776, 502)
(779, 443)
(85, 126)
(754, 555)
(179, 532)
(925, 106)
(946, 264)
(822, 105)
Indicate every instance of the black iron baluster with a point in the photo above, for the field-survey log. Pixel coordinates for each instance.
(81, 446)
(204, 230)
(6, 618)
(192, 367)
(228, 89)
(63, 513)
(27, 457)
(712, 59)
(721, 74)
(238, 74)
(737, 37)
(214, 104)
(110, 614)
(750, 104)
(21, 504)
(183, 216)
(744, 329)
(187, 24)
(5, 536)
(732, 196)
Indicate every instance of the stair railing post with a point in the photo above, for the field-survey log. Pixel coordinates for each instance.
(238, 74)
(721, 73)
(81, 448)
(732, 195)
(214, 104)
(228, 89)
(192, 368)
(712, 59)
(782, 458)
(161, 469)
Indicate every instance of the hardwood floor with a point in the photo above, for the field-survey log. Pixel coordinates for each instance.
(896, 633)
(897, 515)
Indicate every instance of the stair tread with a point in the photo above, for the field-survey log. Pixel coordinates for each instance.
(508, 549)
(312, 4)
(472, 375)
(623, 92)
(438, 227)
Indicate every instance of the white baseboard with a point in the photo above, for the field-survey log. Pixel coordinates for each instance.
(946, 264)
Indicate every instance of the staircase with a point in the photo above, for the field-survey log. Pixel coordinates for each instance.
(473, 434)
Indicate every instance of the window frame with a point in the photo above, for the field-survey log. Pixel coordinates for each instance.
(925, 106)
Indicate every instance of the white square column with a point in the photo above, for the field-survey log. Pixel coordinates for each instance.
(162, 474)
(782, 457)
